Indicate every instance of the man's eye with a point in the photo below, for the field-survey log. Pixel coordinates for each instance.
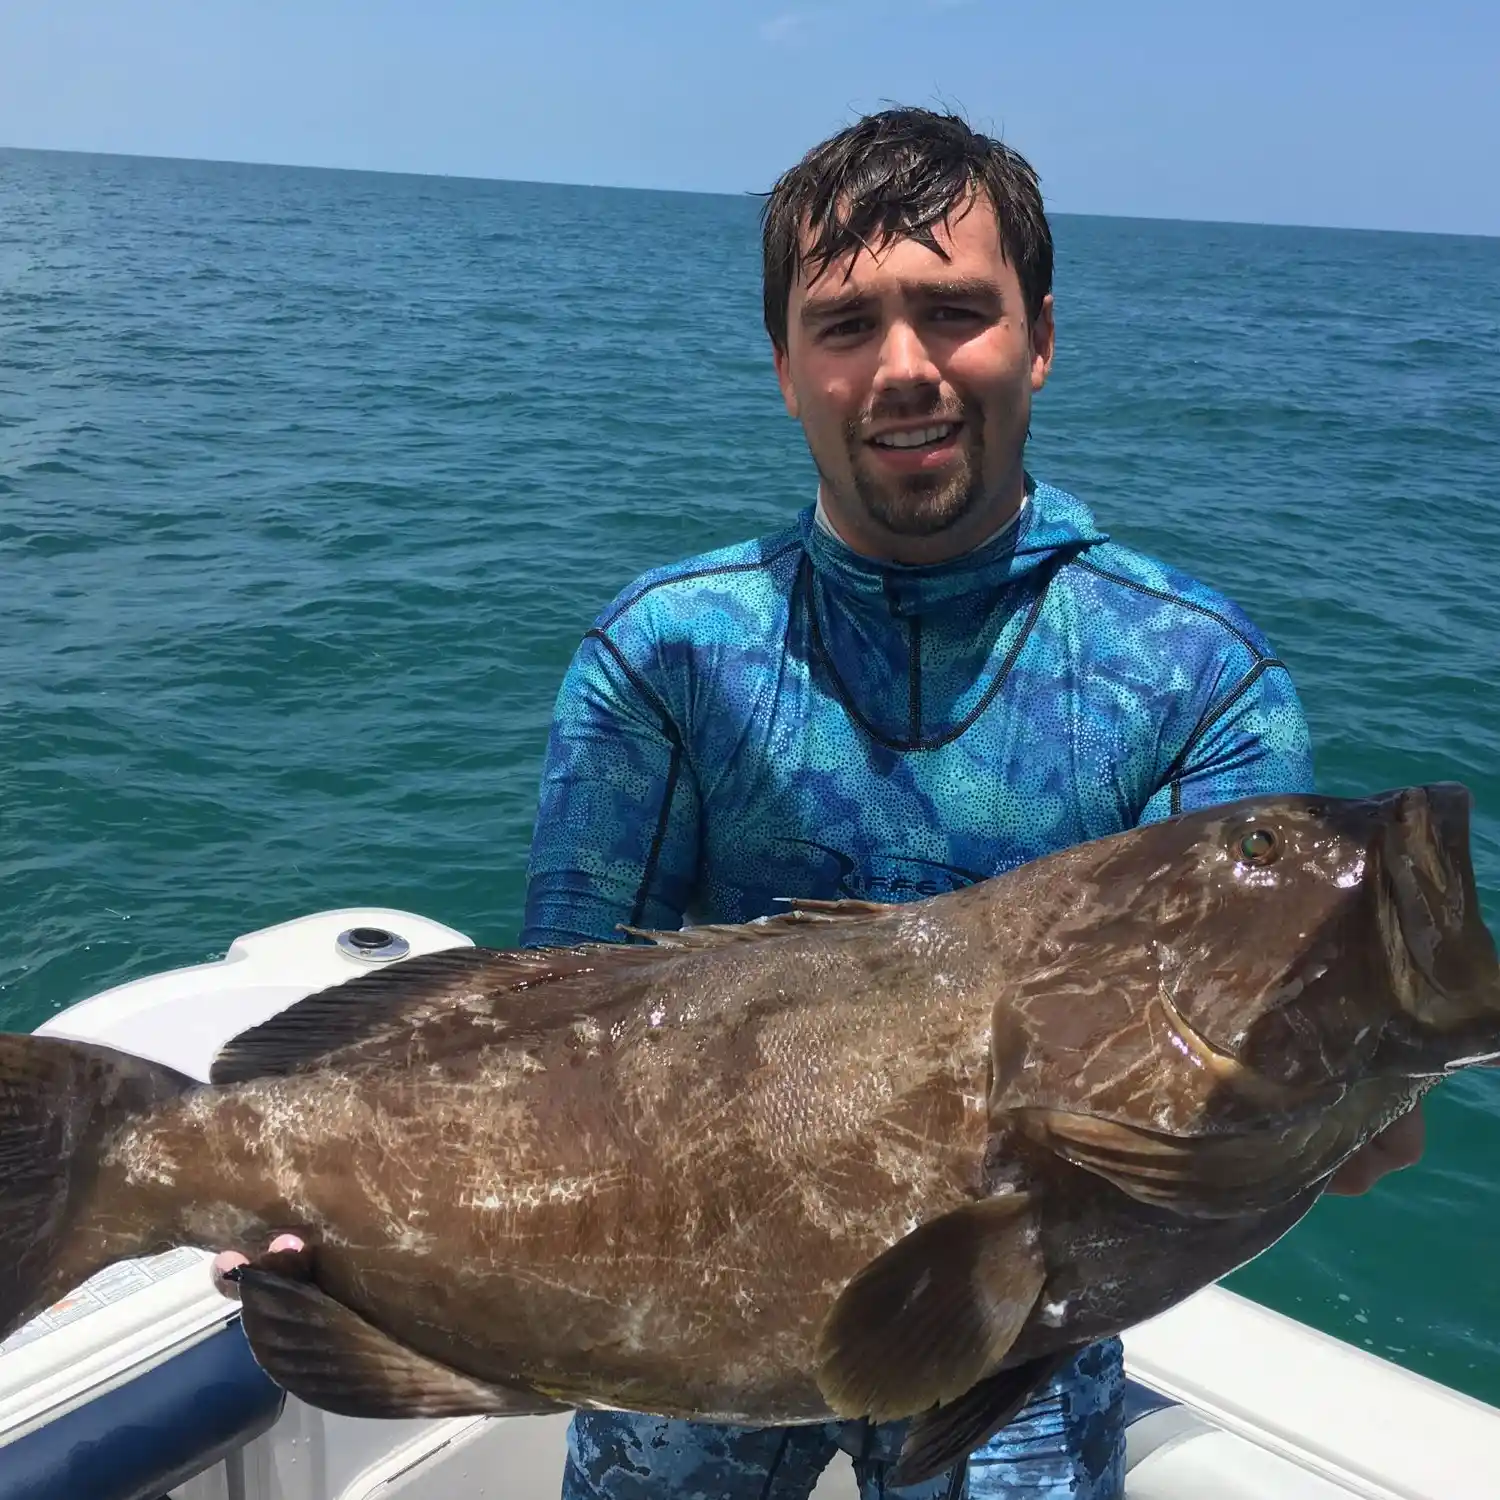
(846, 328)
(955, 314)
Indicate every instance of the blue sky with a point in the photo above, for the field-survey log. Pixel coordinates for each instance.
(1374, 114)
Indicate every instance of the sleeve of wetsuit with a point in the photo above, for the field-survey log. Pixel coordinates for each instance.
(616, 835)
(1252, 740)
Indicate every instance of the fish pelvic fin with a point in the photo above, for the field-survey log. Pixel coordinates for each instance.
(946, 1435)
(329, 1356)
(62, 1105)
(935, 1314)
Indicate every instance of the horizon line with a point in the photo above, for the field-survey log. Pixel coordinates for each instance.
(614, 187)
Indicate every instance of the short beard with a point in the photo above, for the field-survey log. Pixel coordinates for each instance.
(918, 506)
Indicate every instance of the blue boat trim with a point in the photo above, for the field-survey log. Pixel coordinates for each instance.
(1140, 1401)
(152, 1433)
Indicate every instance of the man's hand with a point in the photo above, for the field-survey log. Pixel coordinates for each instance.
(231, 1260)
(1398, 1145)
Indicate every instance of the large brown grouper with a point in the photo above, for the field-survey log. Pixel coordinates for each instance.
(871, 1161)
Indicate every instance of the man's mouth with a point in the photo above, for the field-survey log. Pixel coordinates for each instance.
(917, 437)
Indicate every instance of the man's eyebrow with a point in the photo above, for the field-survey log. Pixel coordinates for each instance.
(960, 289)
(814, 309)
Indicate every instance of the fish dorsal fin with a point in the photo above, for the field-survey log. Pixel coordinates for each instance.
(802, 916)
(371, 1008)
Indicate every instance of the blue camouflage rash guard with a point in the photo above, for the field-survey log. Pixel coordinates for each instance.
(785, 717)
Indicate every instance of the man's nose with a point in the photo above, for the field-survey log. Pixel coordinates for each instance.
(904, 359)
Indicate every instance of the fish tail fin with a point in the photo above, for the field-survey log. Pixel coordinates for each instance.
(62, 1105)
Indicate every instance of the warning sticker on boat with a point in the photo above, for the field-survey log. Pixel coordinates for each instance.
(110, 1286)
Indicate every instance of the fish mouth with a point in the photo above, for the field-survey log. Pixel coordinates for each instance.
(1442, 959)
(1414, 925)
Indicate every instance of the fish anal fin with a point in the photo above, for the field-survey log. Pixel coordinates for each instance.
(939, 1439)
(934, 1314)
(328, 1356)
(383, 1003)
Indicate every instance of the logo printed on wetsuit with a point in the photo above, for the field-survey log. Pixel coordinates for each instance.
(895, 877)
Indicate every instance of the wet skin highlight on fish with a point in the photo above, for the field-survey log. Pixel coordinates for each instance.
(723, 1173)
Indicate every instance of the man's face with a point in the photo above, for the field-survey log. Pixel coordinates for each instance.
(912, 377)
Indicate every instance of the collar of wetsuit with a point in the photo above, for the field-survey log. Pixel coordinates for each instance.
(1051, 522)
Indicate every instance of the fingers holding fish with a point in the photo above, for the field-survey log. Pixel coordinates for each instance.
(228, 1262)
(1398, 1146)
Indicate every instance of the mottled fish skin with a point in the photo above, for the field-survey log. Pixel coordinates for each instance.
(643, 1177)
(609, 1192)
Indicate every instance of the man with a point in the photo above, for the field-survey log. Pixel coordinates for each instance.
(940, 671)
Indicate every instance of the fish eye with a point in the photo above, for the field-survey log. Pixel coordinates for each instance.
(1259, 847)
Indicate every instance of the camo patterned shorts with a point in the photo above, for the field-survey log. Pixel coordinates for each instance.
(1067, 1444)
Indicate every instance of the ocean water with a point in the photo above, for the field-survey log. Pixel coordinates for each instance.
(310, 482)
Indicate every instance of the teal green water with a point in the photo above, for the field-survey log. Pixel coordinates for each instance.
(310, 481)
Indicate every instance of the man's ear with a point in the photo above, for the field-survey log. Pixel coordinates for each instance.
(1043, 341)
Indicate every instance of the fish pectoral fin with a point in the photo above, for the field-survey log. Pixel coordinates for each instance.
(945, 1436)
(1214, 1176)
(802, 914)
(933, 1315)
(328, 1356)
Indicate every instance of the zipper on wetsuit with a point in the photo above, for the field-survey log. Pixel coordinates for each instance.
(914, 679)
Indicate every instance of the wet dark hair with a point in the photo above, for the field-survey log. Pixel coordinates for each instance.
(890, 176)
